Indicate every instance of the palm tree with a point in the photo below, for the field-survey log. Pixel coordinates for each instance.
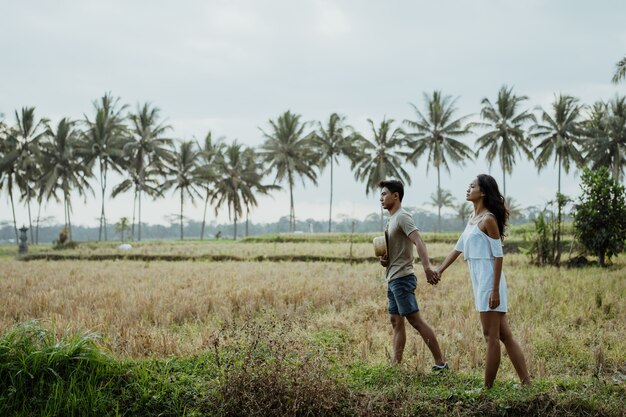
(560, 135)
(506, 136)
(253, 173)
(63, 170)
(441, 198)
(210, 151)
(436, 134)
(20, 163)
(147, 181)
(380, 157)
(463, 211)
(288, 152)
(8, 171)
(620, 71)
(146, 153)
(606, 129)
(122, 226)
(229, 187)
(185, 175)
(103, 143)
(331, 142)
(515, 210)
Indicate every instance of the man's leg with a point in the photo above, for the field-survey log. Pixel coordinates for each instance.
(399, 337)
(427, 334)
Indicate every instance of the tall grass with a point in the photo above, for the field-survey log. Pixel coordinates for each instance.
(52, 376)
(569, 322)
(256, 369)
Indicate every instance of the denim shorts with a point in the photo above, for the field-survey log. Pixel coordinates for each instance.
(401, 295)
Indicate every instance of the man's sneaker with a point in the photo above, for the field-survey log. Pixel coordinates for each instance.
(439, 368)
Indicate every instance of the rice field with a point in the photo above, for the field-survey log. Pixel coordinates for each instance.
(569, 322)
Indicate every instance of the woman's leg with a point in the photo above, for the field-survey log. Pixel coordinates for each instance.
(514, 350)
(490, 321)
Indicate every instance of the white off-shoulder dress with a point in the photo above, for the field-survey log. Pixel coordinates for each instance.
(479, 250)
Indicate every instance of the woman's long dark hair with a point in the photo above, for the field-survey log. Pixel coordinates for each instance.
(494, 201)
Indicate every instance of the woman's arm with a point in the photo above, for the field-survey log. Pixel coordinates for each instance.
(448, 261)
(491, 229)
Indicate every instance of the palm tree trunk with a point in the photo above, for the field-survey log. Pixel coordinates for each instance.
(206, 204)
(559, 184)
(139, 222)
(439, 204)
(292, 213)
(30, 221)
(247, 218)
(181, 214)
(17, 240)
(37, 221)
(69, 221)
(503, 183)
(132, 227)
(330, 214)
(235, 226)
(103, 217)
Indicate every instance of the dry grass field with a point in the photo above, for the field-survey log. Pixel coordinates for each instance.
(570, 322)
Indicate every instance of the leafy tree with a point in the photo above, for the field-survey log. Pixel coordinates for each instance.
(506, 137)
(561, 135)
(606, 128)
(381, 157)
(185, 175)
(600, 216)
(103, 143)
(331, 142)
(288, 151)
(436, 134)
(620, 71)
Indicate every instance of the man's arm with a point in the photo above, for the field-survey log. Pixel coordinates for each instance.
(422, 252)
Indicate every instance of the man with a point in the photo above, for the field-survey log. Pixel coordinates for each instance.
(402, 235)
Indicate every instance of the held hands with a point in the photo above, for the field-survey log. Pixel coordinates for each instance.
(494, 299)
(384, 261)
(432, 277)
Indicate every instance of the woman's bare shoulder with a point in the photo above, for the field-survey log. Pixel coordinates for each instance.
(490, 226)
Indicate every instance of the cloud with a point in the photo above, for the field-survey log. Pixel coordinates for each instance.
(330, 21)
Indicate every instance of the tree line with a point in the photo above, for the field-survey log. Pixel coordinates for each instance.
(40, 161)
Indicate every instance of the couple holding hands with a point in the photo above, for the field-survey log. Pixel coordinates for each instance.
(481, 245)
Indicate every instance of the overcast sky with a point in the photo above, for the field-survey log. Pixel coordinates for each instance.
(230, 66)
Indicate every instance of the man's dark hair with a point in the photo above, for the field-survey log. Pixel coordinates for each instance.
(395, 186)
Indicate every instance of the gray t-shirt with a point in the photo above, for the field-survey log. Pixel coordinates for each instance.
(400, 247)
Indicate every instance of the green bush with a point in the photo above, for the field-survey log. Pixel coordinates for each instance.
(600, 216)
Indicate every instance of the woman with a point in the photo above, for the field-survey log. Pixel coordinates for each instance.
(481, 244)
